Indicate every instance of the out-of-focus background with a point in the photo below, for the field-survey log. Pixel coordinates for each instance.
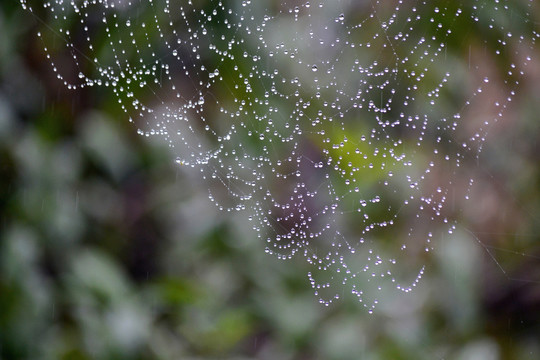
(109, 250)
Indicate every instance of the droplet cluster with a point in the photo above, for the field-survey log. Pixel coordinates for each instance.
(338, 127)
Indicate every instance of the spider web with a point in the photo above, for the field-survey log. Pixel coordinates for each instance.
(339, 127)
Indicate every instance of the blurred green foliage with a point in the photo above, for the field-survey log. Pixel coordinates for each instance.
(109, 251)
